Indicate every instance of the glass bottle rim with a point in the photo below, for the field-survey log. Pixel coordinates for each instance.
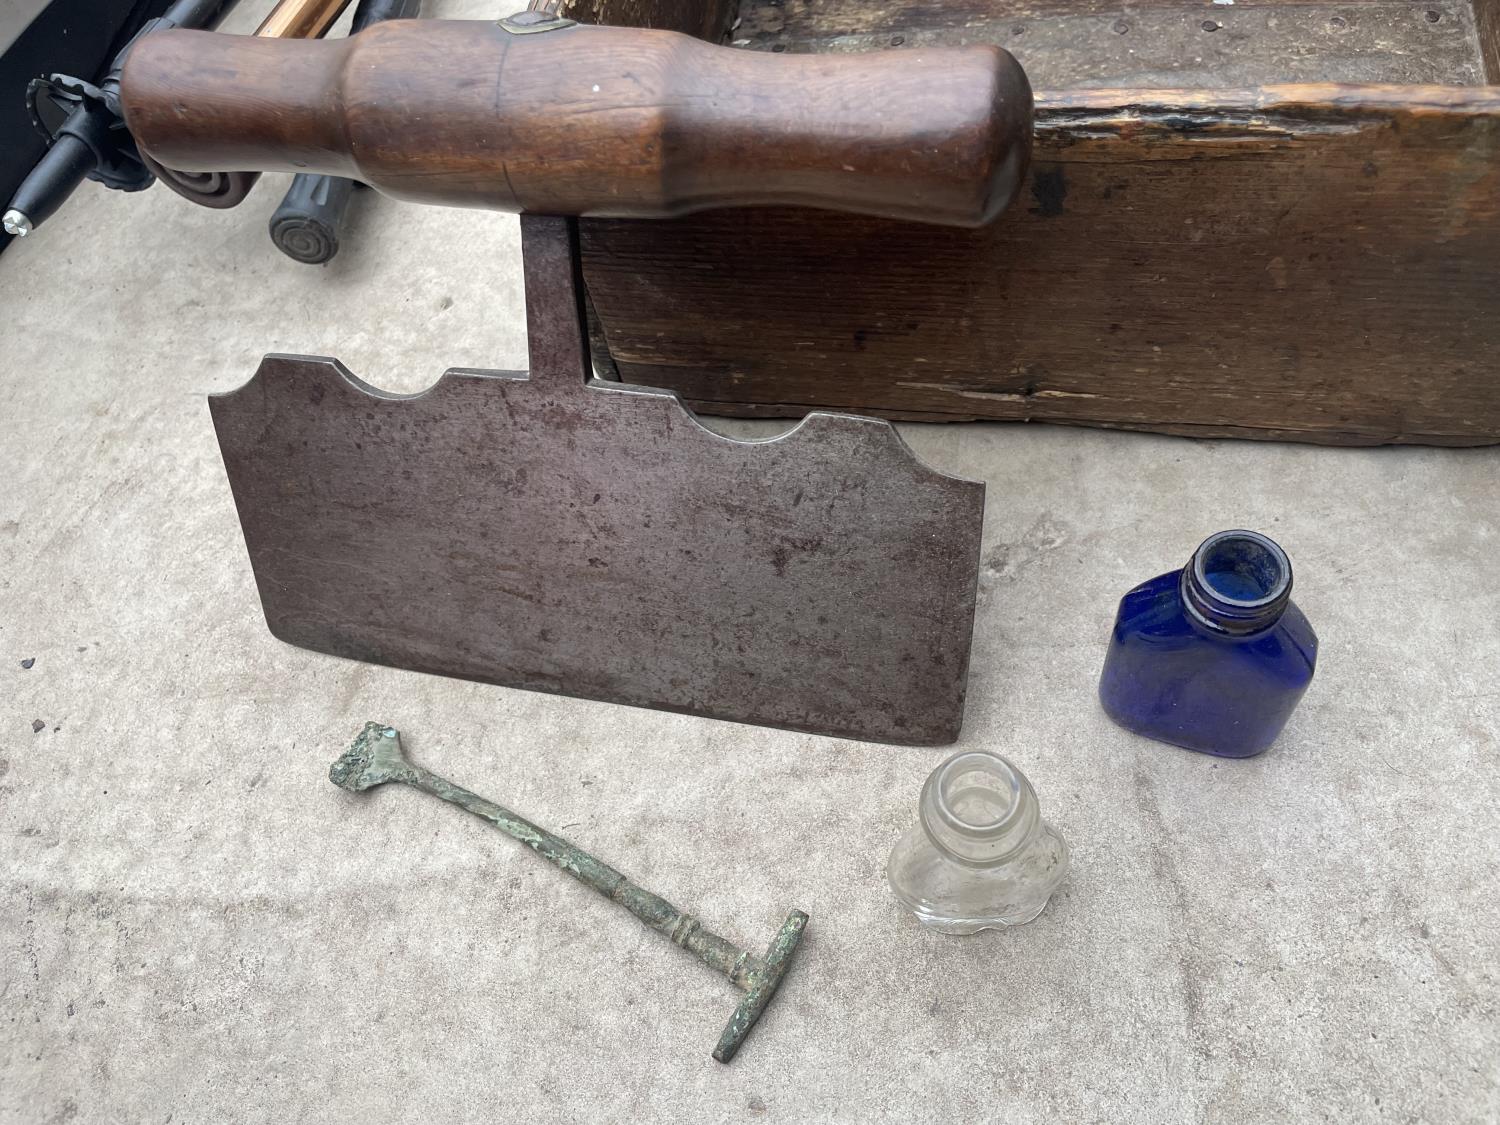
(1016, 786)
(1273, 550)
(1249, 554)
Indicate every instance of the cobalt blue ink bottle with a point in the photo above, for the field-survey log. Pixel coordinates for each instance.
(1215, 656)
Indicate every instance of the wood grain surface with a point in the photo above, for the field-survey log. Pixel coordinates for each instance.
(592, 120)
(1065, 44)
(1487, 20)
(1318, 263)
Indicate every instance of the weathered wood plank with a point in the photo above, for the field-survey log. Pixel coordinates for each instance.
(1314, 262)
(814, 19)
(1487, 18)
(1084, 43)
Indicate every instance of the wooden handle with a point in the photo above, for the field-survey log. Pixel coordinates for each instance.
(598, 121)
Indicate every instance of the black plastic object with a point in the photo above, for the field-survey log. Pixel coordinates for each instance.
(84, 130)
(307, 225)
(61, 169)
(88, 141)
(80, 36)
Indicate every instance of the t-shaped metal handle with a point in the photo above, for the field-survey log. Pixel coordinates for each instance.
(376, 758)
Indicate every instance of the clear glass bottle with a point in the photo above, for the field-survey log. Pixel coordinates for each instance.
(1213, 657)
(980, 856)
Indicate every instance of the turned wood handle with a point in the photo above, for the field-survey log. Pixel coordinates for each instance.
(599, 121)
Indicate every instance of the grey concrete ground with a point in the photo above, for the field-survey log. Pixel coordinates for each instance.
(196, 927)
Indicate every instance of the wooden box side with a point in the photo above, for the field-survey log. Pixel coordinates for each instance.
(1307, 263)
(1312, 262)
(1153, 44)
(1487, 19)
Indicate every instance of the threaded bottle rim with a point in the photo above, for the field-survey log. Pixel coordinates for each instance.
(1237, 582)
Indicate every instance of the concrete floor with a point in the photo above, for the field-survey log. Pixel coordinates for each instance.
(196, 926)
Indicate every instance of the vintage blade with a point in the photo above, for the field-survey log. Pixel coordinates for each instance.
(593, 539)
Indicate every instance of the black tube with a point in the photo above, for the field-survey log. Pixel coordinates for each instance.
(60, 170)
(203, 15)
(375, 11)
(89, 142)
(306, 226)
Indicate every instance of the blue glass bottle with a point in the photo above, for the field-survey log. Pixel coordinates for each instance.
(1215, 656)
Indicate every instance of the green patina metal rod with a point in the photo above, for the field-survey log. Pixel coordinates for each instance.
(376, 758)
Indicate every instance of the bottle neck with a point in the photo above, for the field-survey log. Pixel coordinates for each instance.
(978, 809)
(1237, 583)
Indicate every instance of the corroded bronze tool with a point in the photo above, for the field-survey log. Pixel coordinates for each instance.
(376, 758)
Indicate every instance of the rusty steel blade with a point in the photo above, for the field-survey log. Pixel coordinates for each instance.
(589, 538)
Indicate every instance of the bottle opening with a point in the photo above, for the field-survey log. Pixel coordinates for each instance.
(979, 795)
(978, 808)
(1237, 581)
(1243, 568)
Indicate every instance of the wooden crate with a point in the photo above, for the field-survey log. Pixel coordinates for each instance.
(1268, 219)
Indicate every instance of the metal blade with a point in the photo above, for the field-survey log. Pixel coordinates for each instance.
(593, 539)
